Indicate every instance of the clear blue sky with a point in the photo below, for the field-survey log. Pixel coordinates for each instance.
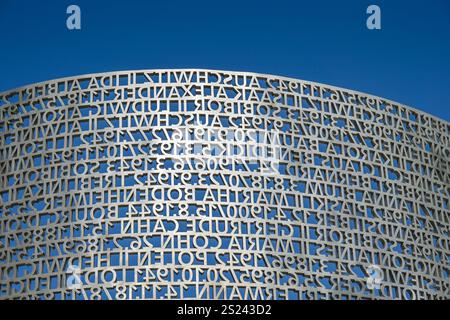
(323, 40)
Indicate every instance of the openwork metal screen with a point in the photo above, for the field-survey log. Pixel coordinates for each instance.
(202, 184)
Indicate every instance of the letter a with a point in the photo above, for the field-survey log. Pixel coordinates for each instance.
(74, 20)
(374, 20)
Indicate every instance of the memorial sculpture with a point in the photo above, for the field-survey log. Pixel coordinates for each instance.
(205, 184)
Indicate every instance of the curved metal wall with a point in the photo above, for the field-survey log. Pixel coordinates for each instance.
(219, 185)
